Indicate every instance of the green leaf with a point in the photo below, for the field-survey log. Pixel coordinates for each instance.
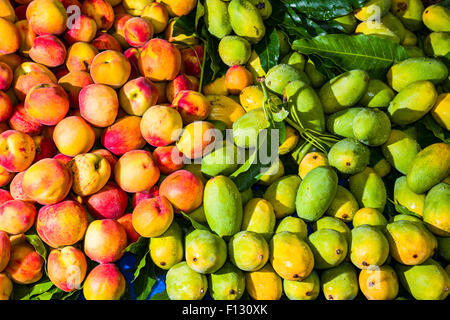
(142, 263)
(48, 295)
(268, 49)
(199, 13)
(144, 283)
(347, 52)
(38, 245)
(184, 25)
(28, 292)
(403, 210)
(214, 66)
(160, 296)
(139, 247)
(435, 128)
(194, 223)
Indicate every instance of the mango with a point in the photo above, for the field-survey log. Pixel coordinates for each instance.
(349, 156)
(279, 76)
(369, 189)
(295, 59)
(409, 243)
(329, 248)
(346, 23)
(294, 225)
(436, 211)
(378, 95)
(183, 283)
(379, 283)
(273, 173)
(247, 128)
(259, 217)
(429, 167)
(205, 252)
(407, 217)
(382, 167)
(400, 149)
(264, 7)
(291, 257)
(437, 44)
(403, 195)
(291, 141)
(217, 19)
(223, 206)
(311, 161)
(444, 247)
(341, 123)
(437, 18)
(306, 289)
(281, 194)
(369, 216)
(315, 194)
(283, 41)
(167, 249)
(409, 12)
(254, 66)
(246, 21)
(304, 105)
(414, 51)
(380, 29)
(264, 284)
(369, 247)
(394, 24)
(234, 50)
(441, 111)
(371, 127)
(410, 39)
(317, 78)
(402, 74)
(373, 8)
(344, 205)
(426, 281)
(221, 161)
(248, 250)
(340, 283)
(334, 224)
(227, 283)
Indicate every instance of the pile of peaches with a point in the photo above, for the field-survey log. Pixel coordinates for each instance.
(95, 100)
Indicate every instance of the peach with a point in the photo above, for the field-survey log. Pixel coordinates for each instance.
(152, 217)
(90, 173)
(132, 54)
(48, 181)
(99, 10)
(25, 264)
(104, 41)
(5, 176)
(161, 125)
(193, 60)
(99, 105)
(123, 136)
(183, 189)
(48, 50)
(45, 148)
(28, 75)
(135, 171)
(137, 95)
(66, 268)
(17, 150)
(105, 241)
(6, 76)
(7, 11)
(104, 282)
(192, 105)
(63, 158)
(68, 3)
(195, 81)
(80, 56)
(197, 139)
(5, 250)
(21, 121)
(10, 37)
(162, 88)
(48, 103)
(27, 36)
(108, 203)
(160, 60)
(110, 67)
(61, 224)
(112, 159)
(137, 32)
(119, 26)
(73, 135)
(16, 188)
(83, 29)
(47, 17)
(12, 60)
(180, 83)
(157, 15)
(237, 78)
(73, 82)
(6, 287)
(168, 159)
(135, 7)
(127, 224)
(179, 7)
(17, 216)
(5, 195)
(5, 106)
(147, 194)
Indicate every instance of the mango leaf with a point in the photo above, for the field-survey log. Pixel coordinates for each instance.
(38, 245)
(27, 292)
(214, 67)
(402, 209)
(144, 283)
(48, 295)
(142, 263)
(139, 247)
(160, 296)
(268, 50)
(435, 128)
(347, 52)
(195, 224)
(185, 25)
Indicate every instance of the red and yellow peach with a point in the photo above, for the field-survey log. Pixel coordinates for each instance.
(80, 56)
(152, 217)
(137, 95)
(48, 50)
(108, 203)
(66, 268)
(137, 31)
(147, 194)
(16, 188)
(157, 14)
(27, 36)
(6, 287)
(192, 105)
(73, 82)
(90, 173)
(6, 76)
(47, 17)
(161, 125)
(5, 250)
(17, 150)
(127, 223)
(73, 135)
(179, 7)
(123, 136)
(11, 39)
(180, 83)
(21, 121)
(83, 29)
(99, 105)
(192, 60)
(25, 264)
(104, 282)
(29, 74)
(197, 139)
(104, 41)
(100, 11)
(168, 159)
(45, 148)
(112, 159)
(5, 107)
(110, 67)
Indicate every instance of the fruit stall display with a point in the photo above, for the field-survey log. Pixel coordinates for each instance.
(135, 136)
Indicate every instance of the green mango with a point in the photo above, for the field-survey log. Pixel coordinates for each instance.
(282, 193)
(283, 41)
(329, 248)
(437, 44)
(264, 7)
(198, 214)
(306, 289)
(400, 150)
(341, 122)
(247, 128)
(183, 283)
(167, 249)
(334, 224)
(369, 247)
(347, 23)
(205, 251)
(413, 102)
(248, 250)
(344, 91)
(295, 59)
(294, 225)
(410, 39)
(340, 283)
(402, 74)
(246, 196)
(372, 9)
(259, 217)
(246, 20)
(221, 161)
(407, 217)
(217, 19)
(304, 105)
(394, 24)
(444, 248)
(349, 156)
(403, 195)
(429, 167)
(273, 173)
(379, 29)
(227, 283)
(371, 127)
(426, 281)
(436, 211)
(409, 12)
(371, 217)
(279, 76)
(369, 189)
(378, 95)
(315, 194)
(437, 18)
(414, 52)
(316, 77)
(234, 50)
(344, 205)
(223, 206)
